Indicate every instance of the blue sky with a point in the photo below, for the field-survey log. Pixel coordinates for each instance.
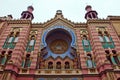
(72, 9)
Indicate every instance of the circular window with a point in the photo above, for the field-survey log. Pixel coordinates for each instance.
(58, 46)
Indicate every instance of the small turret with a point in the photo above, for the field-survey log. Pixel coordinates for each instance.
(28, 13)
(91, 14)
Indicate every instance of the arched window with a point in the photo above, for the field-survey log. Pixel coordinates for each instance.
(58, 65)
(67, 65)
(106, 36)
(9, 55)
(100, 35)
(31, 43)
(27, 61)
(85, 41)
(3, 58)
(90, 62)
(11, 40)
(50, 65)
(115, 56)
(11, 37)
(110, 57)
(16, 37)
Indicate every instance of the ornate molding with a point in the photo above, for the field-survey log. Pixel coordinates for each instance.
(19, 21)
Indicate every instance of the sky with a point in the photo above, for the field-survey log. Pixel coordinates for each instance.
(73, 10)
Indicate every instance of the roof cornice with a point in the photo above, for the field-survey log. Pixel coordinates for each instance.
(19, 21)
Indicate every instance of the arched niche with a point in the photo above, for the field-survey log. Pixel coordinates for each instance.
(70, 31)
(58, 41)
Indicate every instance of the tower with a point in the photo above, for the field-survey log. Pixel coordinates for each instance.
(28, 14)
(91, 14)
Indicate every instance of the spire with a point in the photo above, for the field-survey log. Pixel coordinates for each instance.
(91, 14)
(28, 13)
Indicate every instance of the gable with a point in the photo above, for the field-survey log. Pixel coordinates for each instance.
(58, 22)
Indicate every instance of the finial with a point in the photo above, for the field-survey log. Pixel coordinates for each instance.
(30, 7)
(59, 11)
(88, 8)
(59, 14)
